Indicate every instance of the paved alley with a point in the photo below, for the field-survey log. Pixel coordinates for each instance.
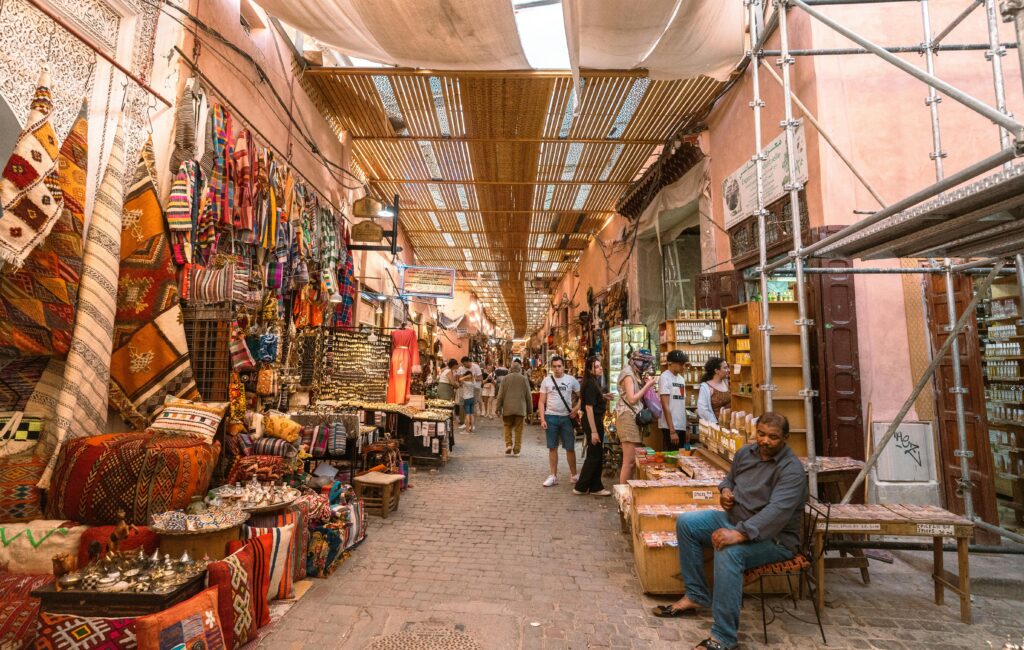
(480, 555)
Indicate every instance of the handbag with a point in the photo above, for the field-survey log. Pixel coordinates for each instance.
(241, 358)
(643, 417)
(266, 381)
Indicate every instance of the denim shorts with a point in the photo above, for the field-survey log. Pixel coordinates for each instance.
(560, 429)
(467, 406)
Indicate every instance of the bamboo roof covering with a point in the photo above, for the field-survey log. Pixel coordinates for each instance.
(499, 177)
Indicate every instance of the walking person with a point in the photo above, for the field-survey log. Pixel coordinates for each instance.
(516, 404)
(559, 406)
(469, 381)
(672, 392)
(595, 398)
(633, 382)
(488, 389)
(713, 393)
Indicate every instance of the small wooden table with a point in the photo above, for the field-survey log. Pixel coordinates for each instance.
(908, 521)
(119, 604)
(380, 492)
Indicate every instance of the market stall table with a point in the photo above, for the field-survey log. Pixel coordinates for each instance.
(124, 604)
(910, 521)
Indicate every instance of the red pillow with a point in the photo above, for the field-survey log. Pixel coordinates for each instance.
(261, 548)
(190, 624)
(18, 622)
(144, 538)
(235, 602)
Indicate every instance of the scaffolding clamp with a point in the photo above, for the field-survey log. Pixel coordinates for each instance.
(937, 154)
(766, 328)
(807, 392)
(789, 124)
(929, 100)
(781, 61)
(963, 485)
(768, 388)
(962, 390)
(963, 453)
(800, 322)
(789, 187)
(1000, 51)
(756, 103)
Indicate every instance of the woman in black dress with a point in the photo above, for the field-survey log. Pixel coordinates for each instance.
(595, 401)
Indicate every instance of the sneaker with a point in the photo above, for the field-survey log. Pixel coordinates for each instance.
(516, 454)
(602, 493)
(578, 493)
(551, 480)
(574, 478)
(508, 451)
(461, 427)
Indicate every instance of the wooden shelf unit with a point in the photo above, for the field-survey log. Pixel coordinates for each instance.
(676, 335)
(786, 364)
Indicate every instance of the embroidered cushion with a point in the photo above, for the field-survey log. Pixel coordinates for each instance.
(279, 559)
(30, 547)
(326, 544)
(20, 585)
(66, 632)
(279, 426)
(185, 418)
(296, 514)
(268, 446)
(261, 548)
(193, 625)
(142, 538)
(18, 622)
(136, 472)
(20, 499)
(233, 578)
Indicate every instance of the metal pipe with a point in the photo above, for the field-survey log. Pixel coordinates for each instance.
(883, 545)
(967, 100)
(821, 130)
(1013, 11)
(1008, 534)
(976, 263)
(790, 126)
(874, 271)
(922, 381)
(958, 391)
(995, 54)
(894, 49)
(762, 240)
(933, 99)
(947, 183)
(956, 21)
(822, 3)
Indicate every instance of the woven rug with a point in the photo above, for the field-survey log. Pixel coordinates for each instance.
(37, 301)
(82, 400)
(29, 192)
(150, 359)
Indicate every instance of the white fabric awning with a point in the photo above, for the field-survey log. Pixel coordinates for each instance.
(673, 39)
(449, 35)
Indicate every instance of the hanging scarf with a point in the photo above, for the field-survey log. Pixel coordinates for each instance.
(220, 186)
(184, 129)
(183, 211)
(245, 155)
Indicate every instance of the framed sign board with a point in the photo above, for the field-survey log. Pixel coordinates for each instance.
(428, 282)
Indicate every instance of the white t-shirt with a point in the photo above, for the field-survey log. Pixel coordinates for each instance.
(445, 377)
(566, 385)
(469, 388)
(675, 387)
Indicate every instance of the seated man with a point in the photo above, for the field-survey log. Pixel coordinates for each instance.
(763, 496)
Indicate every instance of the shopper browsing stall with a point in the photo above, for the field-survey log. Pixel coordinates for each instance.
(672, 392)
(713, 394)
(595, 398)
(559, 406)
(469, 379)
(488, 390)
(446, 381)
(763, 496)
(515, 403)
(633, 382)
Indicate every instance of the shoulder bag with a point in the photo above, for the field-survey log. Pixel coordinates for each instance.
(576, 423)
(643, 416)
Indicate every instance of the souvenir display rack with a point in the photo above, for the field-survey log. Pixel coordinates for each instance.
(621, 341)
(355, 368)
(688, 335)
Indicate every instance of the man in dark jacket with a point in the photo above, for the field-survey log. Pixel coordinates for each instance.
(763, 497)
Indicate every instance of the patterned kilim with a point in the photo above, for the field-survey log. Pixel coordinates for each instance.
(18, 378)
(37, 301)
(29, 191)
(150, 360)
(20, 499)
(66, 632)
(82, 401)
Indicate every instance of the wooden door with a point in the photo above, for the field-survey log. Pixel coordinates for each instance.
(981, 470)
(719, 290)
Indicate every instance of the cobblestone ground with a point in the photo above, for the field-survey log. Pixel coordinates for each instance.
(480, 555)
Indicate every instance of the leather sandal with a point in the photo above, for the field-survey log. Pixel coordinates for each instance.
(711, 644)
(668, 611)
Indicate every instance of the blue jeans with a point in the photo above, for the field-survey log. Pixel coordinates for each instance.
(469, 405)
(560, 430)
(693, 530)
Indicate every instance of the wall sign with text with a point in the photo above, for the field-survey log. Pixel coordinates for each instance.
(428, 281)
(739, 189)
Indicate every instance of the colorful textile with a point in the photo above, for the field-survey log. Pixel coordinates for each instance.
(280, 426)
(184, 128)
(18, 432)
(274, 447)
(405, 356)
(30, 194)
(261, 548)
(138, 473)
(326, 545)
(183, 211)
(296, 514)
(66, 632)
(193, 624)
(318, 507)
(20, 585)
(185, 418)
(264, 468)
(150, 360)
(279, 553)
(235, 603)
(20, 499)
(18, 380)
(82, 402)
(30, 547)
(18, 622)
(143, 538)
(37, 301)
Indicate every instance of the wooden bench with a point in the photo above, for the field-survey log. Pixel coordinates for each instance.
(906, 521)
(380, 492)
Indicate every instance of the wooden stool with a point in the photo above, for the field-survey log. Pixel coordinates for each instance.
(380, 492)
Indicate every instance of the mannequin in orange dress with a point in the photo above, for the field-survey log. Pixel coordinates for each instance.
(405, 360)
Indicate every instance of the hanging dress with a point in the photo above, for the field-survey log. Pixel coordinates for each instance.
(405, 353)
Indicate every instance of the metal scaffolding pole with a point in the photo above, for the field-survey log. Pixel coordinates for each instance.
(790, 125)
(933, 99)
(995, 54)
(894, 49)
(1013, 12)
(762, 239)
(923, 381)
(962, 451)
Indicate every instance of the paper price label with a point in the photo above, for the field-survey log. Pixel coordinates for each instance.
(705, 495)
(849, 528)
(935, 530)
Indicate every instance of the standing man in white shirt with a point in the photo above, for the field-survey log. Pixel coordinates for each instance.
(672, 390)
(559, 407)
(469, 381)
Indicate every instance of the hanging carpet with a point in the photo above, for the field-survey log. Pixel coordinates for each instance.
(37, 301)
(150, 360)
(82, 398)
(29, 191)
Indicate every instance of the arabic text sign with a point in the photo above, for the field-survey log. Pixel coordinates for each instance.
(428, 281)
(739, 190)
